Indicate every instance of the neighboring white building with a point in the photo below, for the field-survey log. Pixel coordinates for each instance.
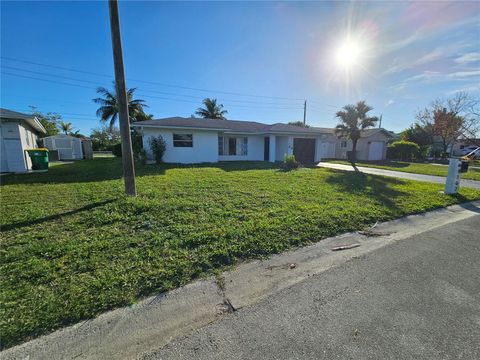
(68, 147)
(18, 132)
(192, 140)
(372, 146)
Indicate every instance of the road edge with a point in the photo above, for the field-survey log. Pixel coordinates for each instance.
(153, 322)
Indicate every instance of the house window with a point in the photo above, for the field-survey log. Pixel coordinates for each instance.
(232, 146)
(220, 146)
(182, 140)
(343, 144)
(244, 146)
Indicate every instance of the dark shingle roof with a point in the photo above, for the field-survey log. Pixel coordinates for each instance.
(369, 132)
(231, 125)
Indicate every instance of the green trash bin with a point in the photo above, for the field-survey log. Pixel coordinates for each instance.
(39, 158)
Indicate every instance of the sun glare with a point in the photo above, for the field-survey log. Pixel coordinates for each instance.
(349, 54)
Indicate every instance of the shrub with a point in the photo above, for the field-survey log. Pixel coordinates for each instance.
(158, 146)
(117, 150)
(403, 150)
(290, 162)
(137, 142)
(140, 156)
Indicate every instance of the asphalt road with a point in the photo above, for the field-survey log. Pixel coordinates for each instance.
(399, 174)
(418, 298)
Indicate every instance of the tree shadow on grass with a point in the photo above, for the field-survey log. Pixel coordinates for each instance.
(81, 171)
(393, 164)
(21, 224)
(379, 187)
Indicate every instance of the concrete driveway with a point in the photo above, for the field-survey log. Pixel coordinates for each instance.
(398, 174)
(414, 299)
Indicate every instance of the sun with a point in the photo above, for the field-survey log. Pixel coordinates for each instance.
(349, 54)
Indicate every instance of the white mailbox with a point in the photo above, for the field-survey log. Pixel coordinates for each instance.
(453, 177)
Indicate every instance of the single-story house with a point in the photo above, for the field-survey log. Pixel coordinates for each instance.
(18, 132)
(193, 140)
(372, 145)
(68, 147)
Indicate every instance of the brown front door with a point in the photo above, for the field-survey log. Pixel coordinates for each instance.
(304, 150)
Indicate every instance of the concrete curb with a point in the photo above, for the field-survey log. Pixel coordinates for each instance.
(128, 332)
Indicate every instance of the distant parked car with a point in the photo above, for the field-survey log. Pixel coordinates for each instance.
(468, 149)
(472, 155)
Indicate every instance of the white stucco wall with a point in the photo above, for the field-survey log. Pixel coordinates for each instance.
(318, 149)
(16, 138)
(205, 146)
(69, 147)
(254, 149)
(362, 146)
(281, 148)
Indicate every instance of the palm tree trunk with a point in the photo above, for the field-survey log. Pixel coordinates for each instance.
(353, 158)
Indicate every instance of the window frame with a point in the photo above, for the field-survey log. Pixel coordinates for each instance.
(221, 146)
(232, 145)
(182, 143)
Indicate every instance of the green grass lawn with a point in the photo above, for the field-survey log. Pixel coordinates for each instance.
(73, 246)
(416, 168)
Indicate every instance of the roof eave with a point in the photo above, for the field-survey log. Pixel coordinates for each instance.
(178, 127)
(38, 125)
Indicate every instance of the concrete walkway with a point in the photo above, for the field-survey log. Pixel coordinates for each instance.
(245, 312)
(399, 174)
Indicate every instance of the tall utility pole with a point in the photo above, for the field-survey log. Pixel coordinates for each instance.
(127, 154)
(304, 112)
(380, 122)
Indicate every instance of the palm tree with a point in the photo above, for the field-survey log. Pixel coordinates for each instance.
(354, 119)
(211, 110)
(65, 127)
(108, 110)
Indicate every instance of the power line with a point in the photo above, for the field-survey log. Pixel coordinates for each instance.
(144, 90)
(167, 85)
(148, 96)
(44, 99)
(151, 82)
(141, 90)
(50, 81)
(284, 106)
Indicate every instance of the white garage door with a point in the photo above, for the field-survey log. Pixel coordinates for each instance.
(328, 150)
(375, 150)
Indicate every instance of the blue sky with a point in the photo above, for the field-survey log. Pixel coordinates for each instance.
(260, 59)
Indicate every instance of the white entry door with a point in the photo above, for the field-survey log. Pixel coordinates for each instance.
(328, 150)
(375, 150)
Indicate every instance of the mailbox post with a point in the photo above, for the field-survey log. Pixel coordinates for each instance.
(453, 178)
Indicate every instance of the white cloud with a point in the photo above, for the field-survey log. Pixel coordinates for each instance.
(473, 88)
(425, 76)
(464, 74)
(389, 102)
(468, 58)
